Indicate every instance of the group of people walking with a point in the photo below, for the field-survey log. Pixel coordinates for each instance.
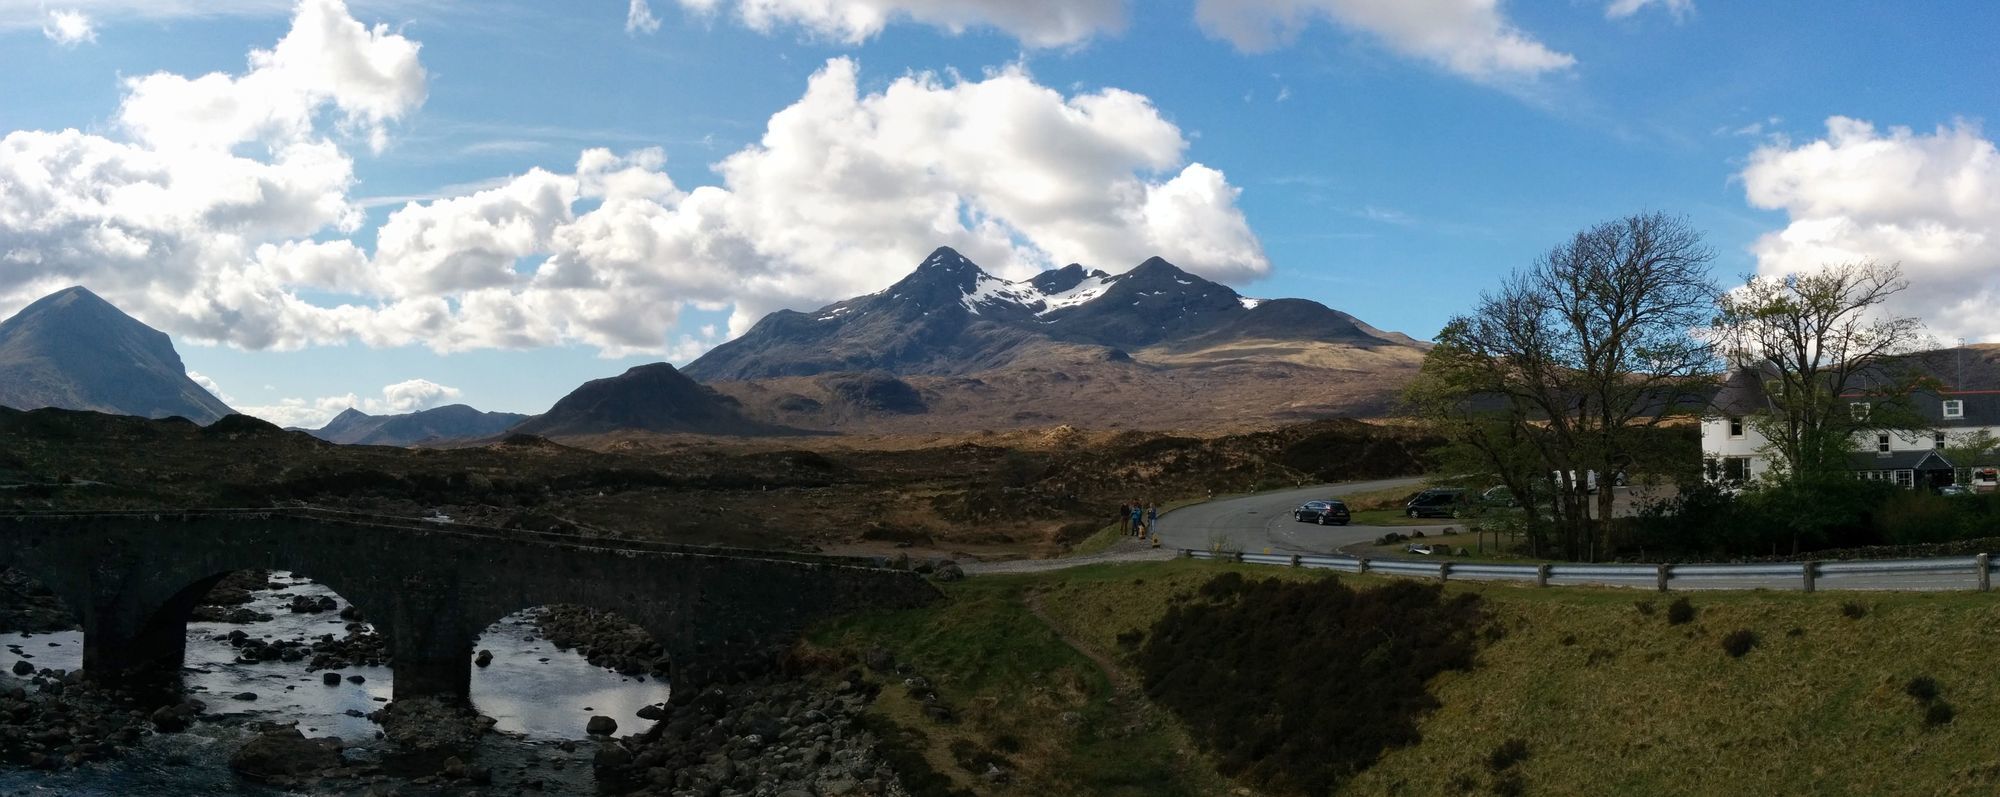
(1140, 520)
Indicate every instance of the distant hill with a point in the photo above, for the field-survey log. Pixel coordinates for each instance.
(452, 422)
(73, 350)
(648, 398)
(952, 347)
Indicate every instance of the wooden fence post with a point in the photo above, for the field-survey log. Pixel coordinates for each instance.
(1982, 562)
(1541, 575)
(1810, 572)
(1665, 572)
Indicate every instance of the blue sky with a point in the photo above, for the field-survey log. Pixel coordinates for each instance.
(1374, 168)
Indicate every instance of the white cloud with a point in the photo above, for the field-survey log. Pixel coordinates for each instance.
(1037, 23)
(69, 28)
(1468, 37)
(403, 397)
(1929, 200)
(227, 196)
(210, 386)
(639, 18)
(1620, 9)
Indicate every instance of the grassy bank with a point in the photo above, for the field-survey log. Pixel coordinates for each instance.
(1589, 691)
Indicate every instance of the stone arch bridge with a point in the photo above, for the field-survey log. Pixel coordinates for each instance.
(430, 588)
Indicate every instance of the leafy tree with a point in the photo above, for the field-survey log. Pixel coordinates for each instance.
(1567, 368)
(1834, 365)
(1969, 450)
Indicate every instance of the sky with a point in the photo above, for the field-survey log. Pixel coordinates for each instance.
(392, 204)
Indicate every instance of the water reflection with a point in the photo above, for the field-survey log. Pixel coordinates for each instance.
(543, 693)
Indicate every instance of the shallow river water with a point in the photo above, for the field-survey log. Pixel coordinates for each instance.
(536, 693)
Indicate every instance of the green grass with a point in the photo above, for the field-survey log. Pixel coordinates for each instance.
(1010, 676)
(1395, 517)
(1607, 699)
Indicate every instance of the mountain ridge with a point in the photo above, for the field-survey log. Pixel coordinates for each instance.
(950, 317)
(451, 422)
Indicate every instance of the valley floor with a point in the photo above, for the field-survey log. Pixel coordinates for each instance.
(1593, 691)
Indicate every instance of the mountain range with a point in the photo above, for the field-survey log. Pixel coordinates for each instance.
(438, 424)
(948, 348)
(73, 350)
(951, 317)
(951, 346)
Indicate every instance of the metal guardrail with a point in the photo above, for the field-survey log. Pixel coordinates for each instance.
(1941, 573)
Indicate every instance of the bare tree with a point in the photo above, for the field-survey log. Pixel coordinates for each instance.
(1582, 354)
(1822, 346)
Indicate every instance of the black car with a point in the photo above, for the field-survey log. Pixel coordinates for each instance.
(1439, 502)
(1325, 513)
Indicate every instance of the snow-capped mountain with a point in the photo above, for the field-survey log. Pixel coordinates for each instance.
(951, 317)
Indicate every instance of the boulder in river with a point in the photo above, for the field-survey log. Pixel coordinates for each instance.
(601, 726)
(285, 753)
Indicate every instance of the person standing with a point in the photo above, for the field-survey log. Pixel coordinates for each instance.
(1153, 520)
(1125, 519)
(1138, 520)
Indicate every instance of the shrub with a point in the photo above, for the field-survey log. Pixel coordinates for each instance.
(1853, 611)
(1294, 713)
(1923, 687)
(1509, 784)
(1509, 753)
(1939, 713)
(1680, 612)
(1130, 640)
(1739, 642)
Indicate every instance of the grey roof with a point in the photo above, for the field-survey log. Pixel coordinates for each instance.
(1927, 459)
(1970, 374)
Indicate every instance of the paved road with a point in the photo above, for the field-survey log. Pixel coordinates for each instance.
(1263, 523)
(1256, 522)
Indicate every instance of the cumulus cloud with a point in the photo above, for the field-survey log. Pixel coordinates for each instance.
(69, 28)
(210, 386)
(403, 397)
(1037, 23)
(639, 18)
(1620, 9)
(1930, 200)
(227, 197)
(1468, 37)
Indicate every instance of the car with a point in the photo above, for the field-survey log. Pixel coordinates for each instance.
(1325, 513)
(1445, 502)
(1954, 489)
(1498, 496)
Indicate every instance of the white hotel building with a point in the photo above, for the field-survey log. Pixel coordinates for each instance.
(1733, 451)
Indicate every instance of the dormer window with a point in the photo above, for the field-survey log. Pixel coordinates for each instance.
(1939, 439)
(1881, 444)
(1735, 428)
(1858, 410)
(1954, 408)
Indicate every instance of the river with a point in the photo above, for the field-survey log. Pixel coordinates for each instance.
(538, 695)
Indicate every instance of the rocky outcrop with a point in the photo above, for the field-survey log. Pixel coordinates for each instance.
(607, 640)
(282, 755)
(763, 738)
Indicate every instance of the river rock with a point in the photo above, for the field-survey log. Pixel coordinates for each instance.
(330, 679)
(285, 753)
(948, 570)
(601, 726)
(23, 668)
(484, 658)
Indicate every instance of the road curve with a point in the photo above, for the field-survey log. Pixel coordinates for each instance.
(1261, 521)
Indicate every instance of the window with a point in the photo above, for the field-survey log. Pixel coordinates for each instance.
(1954, 408)
(1881, 444)
(1939, 439)
(1735, 428)
(1859, 410)
(1906, 479)
(1735, 469)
